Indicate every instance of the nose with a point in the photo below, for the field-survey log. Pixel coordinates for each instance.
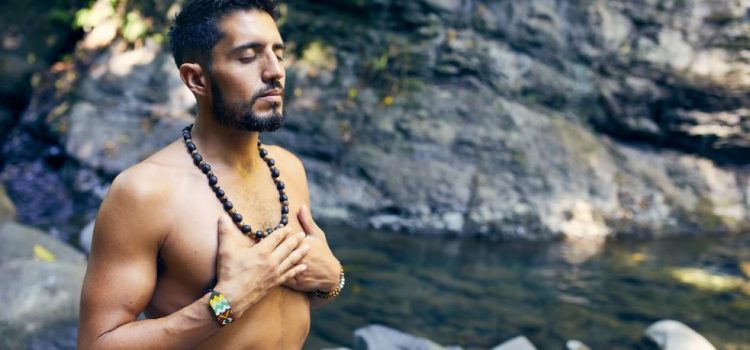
(273, 70)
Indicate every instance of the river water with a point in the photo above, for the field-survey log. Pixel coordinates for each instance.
(478, 293)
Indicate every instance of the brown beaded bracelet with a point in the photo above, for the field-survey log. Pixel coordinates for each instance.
(336, 291)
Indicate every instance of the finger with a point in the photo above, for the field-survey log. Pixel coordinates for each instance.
(291, 273)
(287, 247)
(294, 257)
(274, 239)
(305, 219)
(228, 233)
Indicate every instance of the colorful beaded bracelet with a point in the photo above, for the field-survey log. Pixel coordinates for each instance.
(220, 307)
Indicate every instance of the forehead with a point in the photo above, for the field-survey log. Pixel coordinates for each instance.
(243, 26)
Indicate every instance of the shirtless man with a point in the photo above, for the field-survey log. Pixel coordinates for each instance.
(162, 236)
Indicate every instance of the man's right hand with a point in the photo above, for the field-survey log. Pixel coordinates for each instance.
(247, 271)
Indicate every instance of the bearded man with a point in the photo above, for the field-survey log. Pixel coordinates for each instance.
(211, 238)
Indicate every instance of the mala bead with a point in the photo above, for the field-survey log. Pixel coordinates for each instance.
(213, 181)
(227, 205)
(236, 217)
(205, 168)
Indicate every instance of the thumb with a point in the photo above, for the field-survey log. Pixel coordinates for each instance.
(305, 219)
(227, 233)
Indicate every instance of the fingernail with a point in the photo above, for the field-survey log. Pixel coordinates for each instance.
(303, 267)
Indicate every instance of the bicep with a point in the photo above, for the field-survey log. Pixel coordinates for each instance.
(121, 273)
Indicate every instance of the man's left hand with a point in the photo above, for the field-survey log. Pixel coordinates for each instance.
(323, 269)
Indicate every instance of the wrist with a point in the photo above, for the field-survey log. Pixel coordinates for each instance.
(335, 291)
(334, 279)
(238, 304)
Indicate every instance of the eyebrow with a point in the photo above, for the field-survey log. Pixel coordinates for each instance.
(255, 46)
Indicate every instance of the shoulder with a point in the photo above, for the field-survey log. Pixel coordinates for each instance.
(142, 183)
(291, 168)
(137, 206)
(287, 159)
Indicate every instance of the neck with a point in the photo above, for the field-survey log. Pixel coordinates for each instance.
(222, 146)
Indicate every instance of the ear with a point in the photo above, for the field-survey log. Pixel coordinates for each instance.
(195, 79)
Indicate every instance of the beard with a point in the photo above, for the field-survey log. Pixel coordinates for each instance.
(239, 115)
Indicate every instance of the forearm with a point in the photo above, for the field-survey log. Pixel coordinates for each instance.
(183, 329)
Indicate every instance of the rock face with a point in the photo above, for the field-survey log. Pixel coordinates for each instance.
(27, 49)
(529, 119)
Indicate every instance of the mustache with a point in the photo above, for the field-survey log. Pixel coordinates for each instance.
(273, 85)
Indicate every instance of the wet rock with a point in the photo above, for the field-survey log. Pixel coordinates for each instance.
(383, 338)
(518, 343)
(673, 335)
(576, 345)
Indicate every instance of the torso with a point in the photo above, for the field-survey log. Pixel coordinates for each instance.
(187, 257)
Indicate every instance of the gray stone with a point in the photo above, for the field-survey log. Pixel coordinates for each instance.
(518, 343)
(38, 295)
(574, 344)
(377, 337)
(19, 242)
(674, 335)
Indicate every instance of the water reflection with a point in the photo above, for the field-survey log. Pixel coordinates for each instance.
(477, 293)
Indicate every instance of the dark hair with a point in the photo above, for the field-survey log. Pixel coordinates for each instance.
(195, 30)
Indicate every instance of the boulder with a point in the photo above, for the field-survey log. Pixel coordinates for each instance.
(38, 295)
(377, 337)
(674, 335)
(20, 242)
(518, 343)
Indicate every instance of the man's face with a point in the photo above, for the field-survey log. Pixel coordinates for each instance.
(247, 75)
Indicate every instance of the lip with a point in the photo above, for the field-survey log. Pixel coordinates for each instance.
(273, 92)
(270, 98)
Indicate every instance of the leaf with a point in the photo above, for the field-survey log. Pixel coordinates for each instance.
(43, 254)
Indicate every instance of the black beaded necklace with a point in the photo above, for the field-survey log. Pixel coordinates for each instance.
(213, 181)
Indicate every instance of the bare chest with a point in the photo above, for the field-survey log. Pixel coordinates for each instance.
(187, 259)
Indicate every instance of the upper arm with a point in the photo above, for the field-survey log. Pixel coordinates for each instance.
(121, 273)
